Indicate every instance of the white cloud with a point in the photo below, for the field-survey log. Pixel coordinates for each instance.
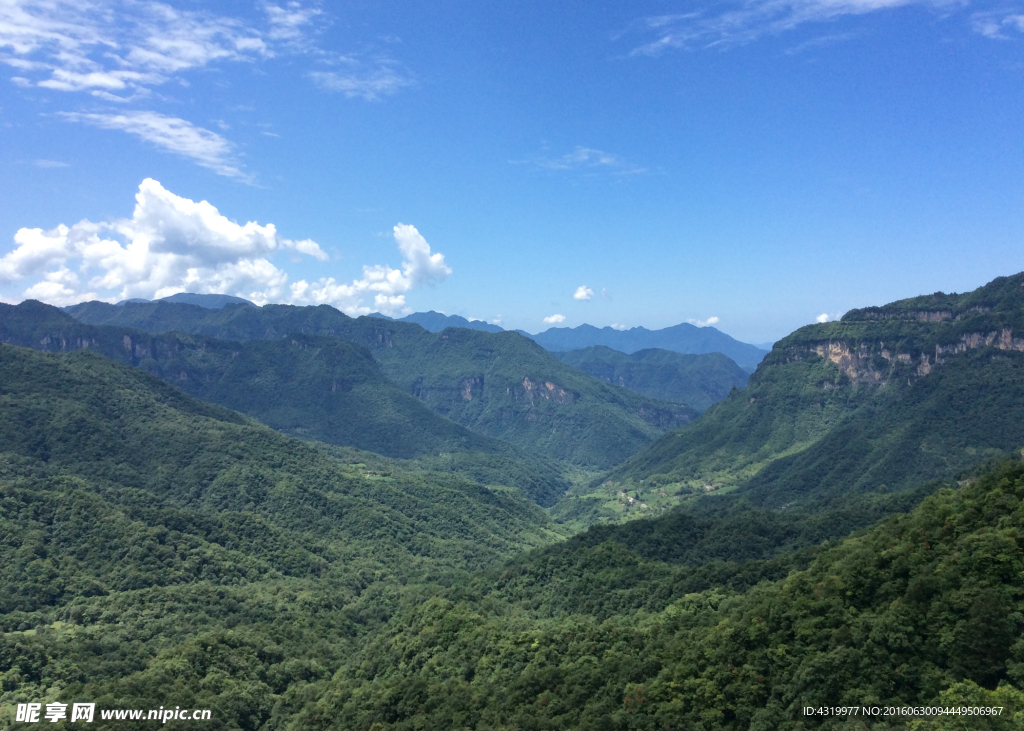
(202, 146)
(587, 158)
(743, 21)
(554, 319)
(119, 45)
(995, 24)
(823, 317)
(289, 22)
(387, 286)
(172, 244)
(46, 164)
(369, 81)
(119, 51)
(617, 326)
(583, 293)
(703, 323)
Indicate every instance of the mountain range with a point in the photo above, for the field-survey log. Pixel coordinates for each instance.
(845, 531)
(498, 384)
(682, 338)
(885, 397)
(435, 322)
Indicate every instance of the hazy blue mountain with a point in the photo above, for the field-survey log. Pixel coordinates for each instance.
(695, 379)
(210, 301)
(682, 338)
(435, 322)
(499, 384)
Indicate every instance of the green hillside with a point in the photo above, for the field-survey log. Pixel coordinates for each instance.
(309, 387)
(887, 396)
(312, 387)
(139, 523)
(499, 384)
(924, 609)
(695, 379)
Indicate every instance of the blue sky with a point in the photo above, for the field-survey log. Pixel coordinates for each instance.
(756, 165)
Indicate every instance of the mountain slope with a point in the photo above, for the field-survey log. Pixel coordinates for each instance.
(697, 380)
(921, 610)
(147, 531)
(918, 388)
(499, 384)
(80, 414)
(682, 338)
(314, 387)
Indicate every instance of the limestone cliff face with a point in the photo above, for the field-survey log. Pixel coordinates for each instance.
(876, 362)
(59, 344)
(532, 391)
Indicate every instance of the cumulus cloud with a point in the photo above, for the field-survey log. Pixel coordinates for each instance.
(173, 135)
(703, 323)
(554, 319)
(617, 326)
(173, 244)
(583, 293)
(387, 286)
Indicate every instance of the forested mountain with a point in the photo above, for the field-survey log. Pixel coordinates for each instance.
(499, 384)
(922, 610)
(311, 387)
(697, 380)
(210, 301)
(877, 401)
(160, 550)
(847, 531)
(143, 528)
(435, 322)
(682, 338)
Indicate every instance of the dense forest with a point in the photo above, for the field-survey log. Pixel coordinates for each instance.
(285, 515)
(499, 384)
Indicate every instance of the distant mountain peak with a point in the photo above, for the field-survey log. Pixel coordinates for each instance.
(209, 301)
(682, 338)
(438, 321)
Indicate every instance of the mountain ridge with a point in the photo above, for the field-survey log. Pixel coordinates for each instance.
(882, 394)
(681, 338)
(500, 384)
(691, 378)
(307, 386)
